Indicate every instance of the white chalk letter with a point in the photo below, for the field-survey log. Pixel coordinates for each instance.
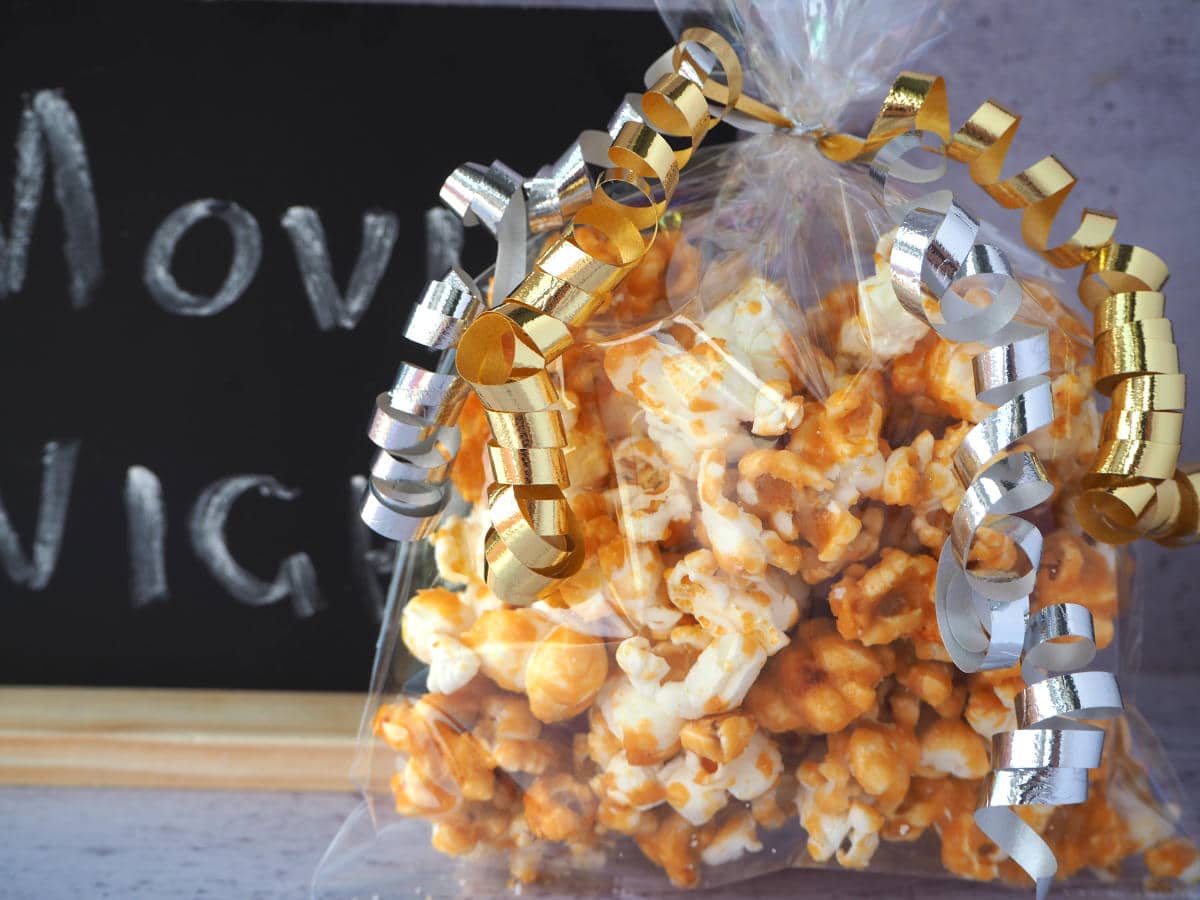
(58, 474)
(146, 519)
(330, 309)
(296, 577)
(247, 254)
(49, 127)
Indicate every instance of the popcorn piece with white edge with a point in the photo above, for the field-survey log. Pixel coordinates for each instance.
(652, 496)
(697, 791)
(431, 625)
(738, 539)
(646, 723)
(716, 682)
(762, 607)
(882, 329)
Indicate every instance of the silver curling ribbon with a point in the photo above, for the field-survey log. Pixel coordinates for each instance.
(1046, 760)
(514, 209)
(414, 425)
(414, 428)
(983, 615)
(934, 259)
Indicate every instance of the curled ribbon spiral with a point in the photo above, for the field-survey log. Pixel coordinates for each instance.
(1133, 488)
(413, 424)
(1046, 760)
(983, 616)
(934, 256)
(534, 539)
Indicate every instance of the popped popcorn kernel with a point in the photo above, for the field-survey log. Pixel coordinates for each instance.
(564, 674)
(730, 840)
(951, 747)
(504, 639)
(890, 600)
(431, 625)
(718, 738)
(840, 821)
(673, 844)
(819, 683)
(559, 808)
(1176, 859)
(937, 378)
(991, 698)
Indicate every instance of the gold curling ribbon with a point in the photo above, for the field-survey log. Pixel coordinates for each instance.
(534, 539)
(1133, 488)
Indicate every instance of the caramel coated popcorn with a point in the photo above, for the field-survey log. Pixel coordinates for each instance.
(752, 642)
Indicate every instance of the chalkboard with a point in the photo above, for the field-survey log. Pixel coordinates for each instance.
(182, 420)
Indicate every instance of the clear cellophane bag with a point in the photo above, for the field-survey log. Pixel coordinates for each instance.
(747, 673)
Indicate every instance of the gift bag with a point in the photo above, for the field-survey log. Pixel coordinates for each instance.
(784, 641)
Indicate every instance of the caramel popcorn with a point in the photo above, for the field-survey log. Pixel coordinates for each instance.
(718, 738)
(936, 378)
(458, 548)
(891, 600)
(757, 324)
(880, 328)
(1175, 859)
(647, 729)
(950, 747)
(673, 844)
(760, 607)
(697, 789)
(932, 682)
(837, 814)
(691, 400)
(511, 732)
(652, 496)
(991, 697)
(714, 680)
(819, 683)
(503, 640)
(731, 840)
(588, 457)
(558, 808)
(432, 624)
(763, 487)
(738, 539)
(920, 477)
(564, 674)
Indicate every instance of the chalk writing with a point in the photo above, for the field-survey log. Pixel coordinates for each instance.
(35, 570)
(247, 254)
(49, 126)
(49, 147)
(296, 578)
(331, 310)
(145, 516)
